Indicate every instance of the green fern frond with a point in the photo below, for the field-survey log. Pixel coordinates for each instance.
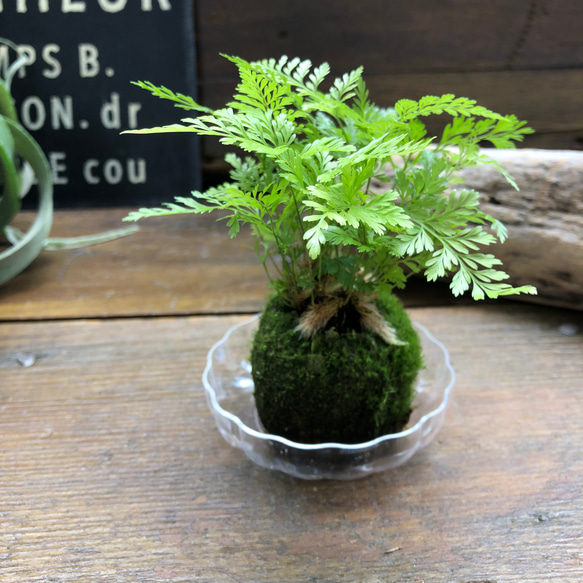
(408, 109)
(303, 186)
(180, 100)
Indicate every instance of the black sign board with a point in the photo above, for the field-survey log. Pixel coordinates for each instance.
(75, 96)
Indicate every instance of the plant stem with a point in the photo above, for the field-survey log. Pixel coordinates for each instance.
(289, 273)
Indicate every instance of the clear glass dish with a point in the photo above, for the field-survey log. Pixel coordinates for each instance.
(229, 393)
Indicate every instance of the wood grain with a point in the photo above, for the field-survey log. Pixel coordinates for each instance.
(406, 36)
(112, 470)
(522, 93)
(514, 57)
(188, 265)
(175, 265)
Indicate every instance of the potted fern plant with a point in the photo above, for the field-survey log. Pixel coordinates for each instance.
(335, 357)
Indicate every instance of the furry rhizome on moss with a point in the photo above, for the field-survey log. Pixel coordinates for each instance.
(344, 385)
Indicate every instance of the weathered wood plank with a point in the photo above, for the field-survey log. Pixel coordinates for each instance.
(515, 57)
(188, 264)
(177, 265)
(406, 36)
(572, 140)
(523, 93)
(547, 99)
(111, 468)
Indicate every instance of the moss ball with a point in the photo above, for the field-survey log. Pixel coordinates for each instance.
(344, 385)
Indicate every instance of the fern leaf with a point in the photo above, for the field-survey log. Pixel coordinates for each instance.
(408, 109)
(180, 100)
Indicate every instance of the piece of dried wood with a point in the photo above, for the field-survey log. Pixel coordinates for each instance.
(544, 219)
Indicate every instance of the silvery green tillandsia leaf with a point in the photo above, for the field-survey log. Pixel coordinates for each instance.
(10, 201)
(20, 153)
(15, 235)
(16, 258)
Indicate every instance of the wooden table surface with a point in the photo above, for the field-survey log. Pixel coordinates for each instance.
(112, 470)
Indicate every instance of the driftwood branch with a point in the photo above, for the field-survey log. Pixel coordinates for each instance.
(544, 220)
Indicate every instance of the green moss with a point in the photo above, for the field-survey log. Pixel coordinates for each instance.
(345, 385)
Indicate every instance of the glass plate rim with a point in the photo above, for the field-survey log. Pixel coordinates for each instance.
(210, 391)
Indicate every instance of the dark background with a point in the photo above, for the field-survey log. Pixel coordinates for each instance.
(151, 45)
(514, 56)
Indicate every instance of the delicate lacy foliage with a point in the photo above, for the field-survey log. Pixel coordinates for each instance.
(305, 187)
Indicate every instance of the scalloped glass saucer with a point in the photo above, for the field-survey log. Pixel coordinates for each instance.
(229, 393)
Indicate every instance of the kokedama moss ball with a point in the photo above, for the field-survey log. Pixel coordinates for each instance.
(344, 385)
